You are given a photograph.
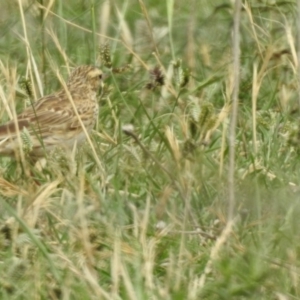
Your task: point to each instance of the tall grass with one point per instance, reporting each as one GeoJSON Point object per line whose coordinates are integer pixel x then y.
{"type": "Point", "coordinates": [140, 211]}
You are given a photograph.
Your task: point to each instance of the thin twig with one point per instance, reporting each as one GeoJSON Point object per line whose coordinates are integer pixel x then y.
{"type": "Point", "coordinates": [235, 96]}
{"type": "Point", "coordinates": [298, 50]}
{"type": "Point", "coordinates": [145, 12]}
{"type": "Point", "coordinates": [136, 139]}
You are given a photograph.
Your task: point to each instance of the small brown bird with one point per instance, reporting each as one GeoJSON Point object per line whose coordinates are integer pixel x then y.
{"type": "Point", "coordinates": [52, 121]}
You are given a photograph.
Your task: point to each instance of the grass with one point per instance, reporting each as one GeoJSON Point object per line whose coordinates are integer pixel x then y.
{"type": "Point", "coordinates": [147, 216]}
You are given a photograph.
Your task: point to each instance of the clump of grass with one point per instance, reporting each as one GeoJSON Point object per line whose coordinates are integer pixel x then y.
{"type": "Point", "coordinates": [140, 212]}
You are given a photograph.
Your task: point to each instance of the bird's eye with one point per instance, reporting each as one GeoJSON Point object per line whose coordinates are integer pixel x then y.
{"type": "Point", "coordinates": [100, 76]}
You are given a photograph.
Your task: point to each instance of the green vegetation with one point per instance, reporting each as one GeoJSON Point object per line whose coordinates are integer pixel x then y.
{"type": "Point", "coordinates": [147, 219]}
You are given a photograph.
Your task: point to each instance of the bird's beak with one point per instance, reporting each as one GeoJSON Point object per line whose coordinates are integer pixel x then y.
{"type": "Point", "coordinates": [105, 76]}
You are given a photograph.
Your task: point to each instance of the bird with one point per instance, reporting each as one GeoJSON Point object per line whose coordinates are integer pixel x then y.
{"type": "Point", "coordinates": [53, 120]}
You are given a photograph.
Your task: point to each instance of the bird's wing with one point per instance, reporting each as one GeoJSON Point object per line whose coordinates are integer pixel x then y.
{"type": "Point", "coordinates": [47, 115]}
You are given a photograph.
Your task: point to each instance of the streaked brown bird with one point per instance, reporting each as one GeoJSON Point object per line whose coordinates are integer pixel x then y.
{"type": "Point", "coordinates": [52, 120]}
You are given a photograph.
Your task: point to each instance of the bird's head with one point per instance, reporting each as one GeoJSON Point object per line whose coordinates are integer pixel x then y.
{"type": "Point", "coordinates": [86, 76]}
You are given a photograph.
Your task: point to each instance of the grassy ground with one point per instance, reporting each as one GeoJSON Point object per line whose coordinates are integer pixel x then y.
{"type": "Point", "coordinates": [146, 217]}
